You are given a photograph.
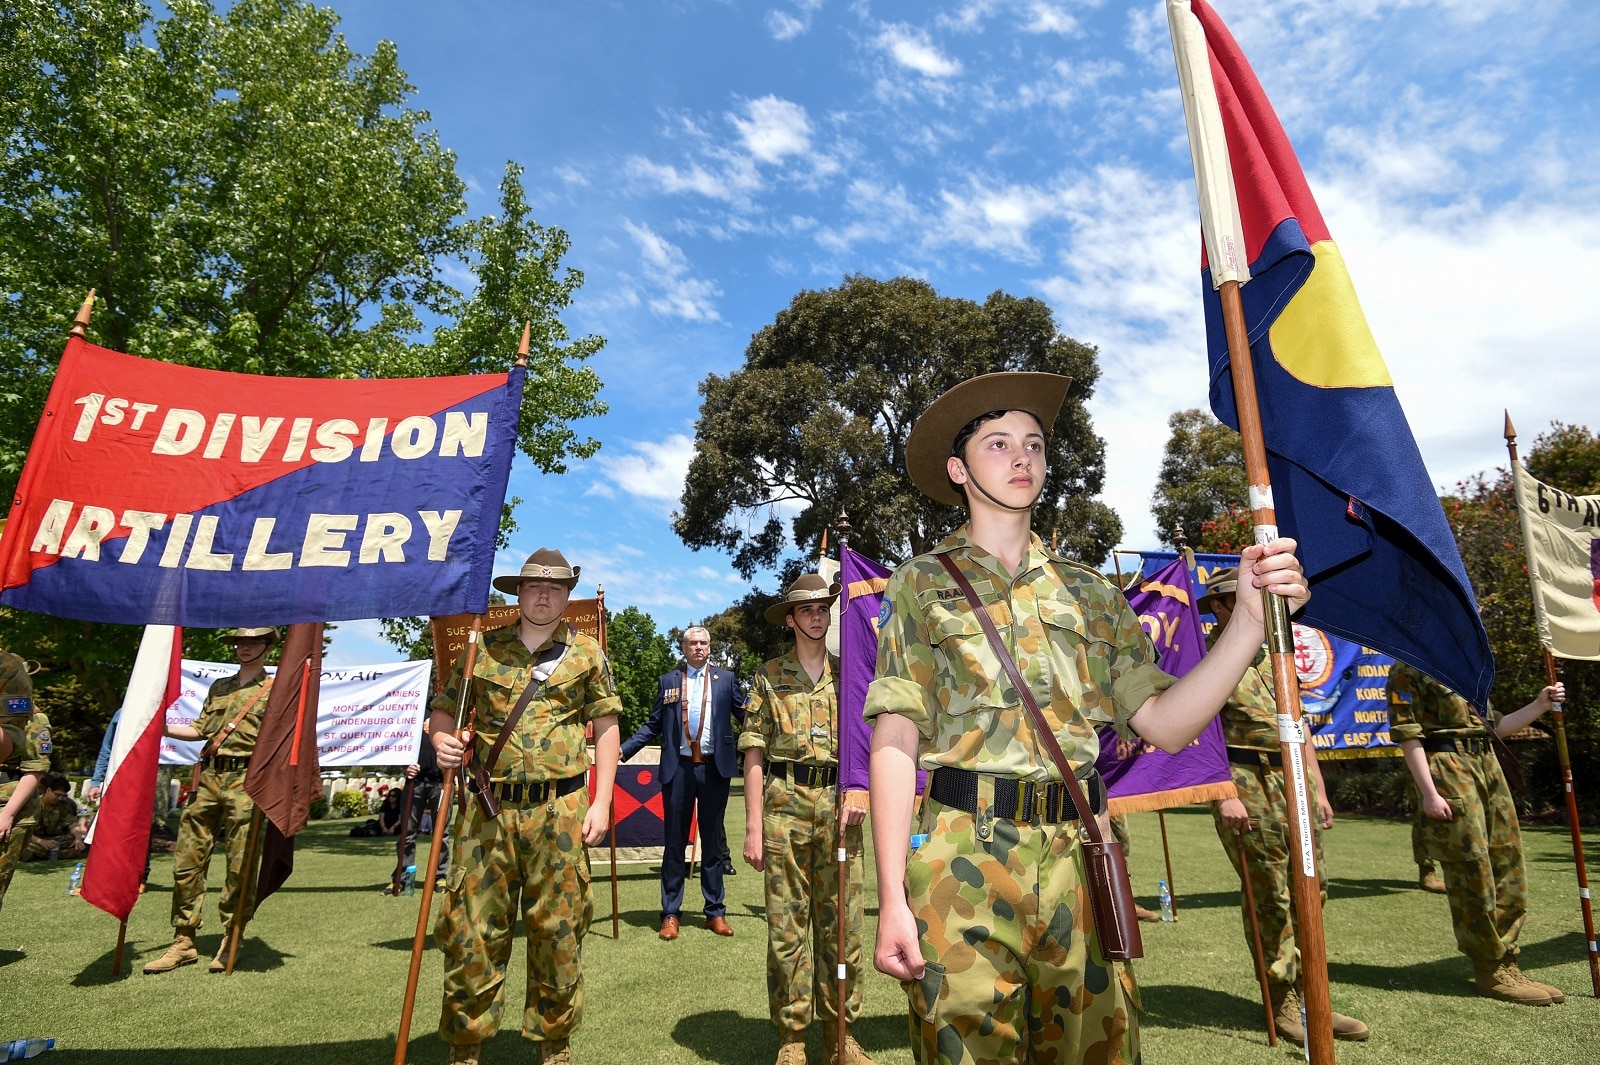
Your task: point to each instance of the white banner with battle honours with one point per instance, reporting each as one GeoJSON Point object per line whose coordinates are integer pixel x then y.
{"type": "Point", "coordinates": [367, 715]}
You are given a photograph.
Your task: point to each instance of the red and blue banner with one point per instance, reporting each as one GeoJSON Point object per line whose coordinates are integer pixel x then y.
{"type": "Point", "coordinates": [1138, 775]}
{"type": "Point", "coordinates": [1348, 481]}
{"type": "Point", "coordinates": [163, 494]}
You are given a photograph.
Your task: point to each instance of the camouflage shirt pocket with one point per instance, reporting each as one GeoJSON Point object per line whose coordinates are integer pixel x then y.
{"type": "Point", "coordinates": [970, 677]}
{"type": "Point", "coordinates": [1080, 666]}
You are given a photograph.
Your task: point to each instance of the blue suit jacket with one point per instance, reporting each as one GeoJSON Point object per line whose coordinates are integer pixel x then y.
{"type": "Point", "coordinates": [666, 724]}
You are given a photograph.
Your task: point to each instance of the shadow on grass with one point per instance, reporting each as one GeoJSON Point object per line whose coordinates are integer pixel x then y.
{"type": "Point", "coordinates": [424, 1048]}
{"type": "Point", "coordinates": [1338, 888]}
{"type": "Point", "coordinates": [1180, 1006]}
{"type": "Point", "coordinates": [9, 956]}
{"type": "Point", "coordinates": [255, 956]}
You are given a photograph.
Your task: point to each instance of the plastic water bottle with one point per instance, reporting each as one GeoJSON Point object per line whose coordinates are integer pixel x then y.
{"type": "Point", "coordinates": [23, 1049]}
{"type": "Point", "coordinates": [77, 879]}
{"type": "Point", "coordinates": [1166, 902]}
{"type": "Point", "coordinates": [410, 886]}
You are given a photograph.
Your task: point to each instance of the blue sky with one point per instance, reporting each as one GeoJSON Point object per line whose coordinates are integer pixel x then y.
{"type": "Point", "coordinates": [712, 159]}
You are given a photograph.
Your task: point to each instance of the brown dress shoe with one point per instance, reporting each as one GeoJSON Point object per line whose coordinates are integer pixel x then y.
{"type": "Point", "coordinates": [669, 928]}
{"type": "Point", "coordinates": [719, 925]}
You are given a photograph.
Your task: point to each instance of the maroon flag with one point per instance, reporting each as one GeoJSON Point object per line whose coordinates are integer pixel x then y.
{"type": "Point", "coordinates": [284, 776]}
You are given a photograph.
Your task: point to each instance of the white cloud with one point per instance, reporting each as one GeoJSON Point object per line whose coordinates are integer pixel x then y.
{"type": "Point", "coordinates": [773, 128]}
{"type": "Point", "coordinates": [694, 178]}
{"type": "Point", "coordinates": [913, 49]}
{"type": "Point", "coordinates": [994, 219]}
{"type": "Point", "coordinates": [1042, 17]}
{"type": "Point", "coordinates": [680, 295]}
{"type": "Point", "coordinates": [652, 471]}
{"type": "Point", "coordinates": [785, 26]}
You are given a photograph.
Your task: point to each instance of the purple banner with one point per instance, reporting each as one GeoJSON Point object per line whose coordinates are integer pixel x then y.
{"type": "Point", "coordinates": [1138, 775]}
{"type": "Point", "coordinates": [860, 602]}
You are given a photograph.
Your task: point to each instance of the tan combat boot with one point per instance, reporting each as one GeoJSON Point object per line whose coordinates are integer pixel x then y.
{"type": "Point", "coordinates": [1348, 1028]}
{"type": "Point", "coordinates": [181, 952]}
{"type": "Point", "coordinates": [219, 964]}
{"type": "Point", "coordinates": [853, 1054]}
{"type": "Point", "coordinates": [1554, 993]}
{"type": "Point", "coordinates": [1286, 1013]}
{"type": "Point", "coordinates": [793, 1051]}
{"type": "Point", "coordinates": [1428, 879]}
{"type": "Point", "coordinates": [1504, 981]}
{"type": "Point", "coordinates": [556, 1052]}
{"type": "Point", "coordinates": [466, 1054]}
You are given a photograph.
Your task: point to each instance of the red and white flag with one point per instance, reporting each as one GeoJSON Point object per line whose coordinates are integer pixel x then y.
{"type": "Point", "coordinates": [121, 833]}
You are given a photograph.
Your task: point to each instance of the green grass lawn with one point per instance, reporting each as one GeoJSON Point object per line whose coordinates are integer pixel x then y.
{"type": "Point", "coordinates": [325, 963]}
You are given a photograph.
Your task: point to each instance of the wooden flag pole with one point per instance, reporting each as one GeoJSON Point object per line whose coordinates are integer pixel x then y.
{"type": "Point", "coordinates": [80, 323]}
{"type": "Point", "coordinates": [1303, 882]}
{"type": "Point", "coordinates": [1166, 852]}
{"type": "Point", "coordinates": [446, 813]}
{"type": "Point", "coordinates": [247, 889]}
{"type": "Point", "coordinates": [122, 942]}
{"type": "Point", "coordinates": [841, 914]}
{"type": "Point", "coordinates": [1558, 718]}
{"type": "Point", "coordinates": [1255, 939]}
{"type": "Point", "coordinates": [616, 915]}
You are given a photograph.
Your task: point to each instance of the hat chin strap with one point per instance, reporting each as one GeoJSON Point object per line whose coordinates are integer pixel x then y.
{"type": "Point", "coordinates": [972, 479]}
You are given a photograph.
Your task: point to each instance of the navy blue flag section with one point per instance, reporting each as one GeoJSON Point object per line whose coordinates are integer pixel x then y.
{"type": "Point", "coordinates": [168, 495]}
{"type": "Point", "coordinates": [1348, 481]}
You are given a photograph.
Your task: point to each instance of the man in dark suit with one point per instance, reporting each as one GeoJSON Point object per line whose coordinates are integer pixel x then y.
{"type": "Point", "coordinates": [698, 711]}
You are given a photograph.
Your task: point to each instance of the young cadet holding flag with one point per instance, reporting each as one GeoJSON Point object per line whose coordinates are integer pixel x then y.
{"type": "Point", "coordinates": [791, 775]}
{"type": "Point", "coordinates": [983, 923]}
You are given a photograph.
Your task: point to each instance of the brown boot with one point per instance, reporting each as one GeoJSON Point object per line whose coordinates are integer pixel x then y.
{"type": "Point", "coordinates": [466, 1054]}
{"type": "Point", "coordinates": [853, 1054]}
{"type": "Point", "coordinates": [556, 1052]}
{"type": "Point", "coordinates": [1504, 981]}
{"type": "Point", "coordinates": [181, 952]}
{"type": "Point", "coordinates": [1146, 915]}
{"type": "Point", "coordinates": [1348, 1028]}
{"type": "Point", "coordinates": [1286, 1013]}
{"type": "Point", "coordinates": [1555, 993]}
{"type": "Point", "coordinates": [1428, 879]}
{"type": "Point", "coordinates": [793, 1051]}
{"type": "Point", "coordinates": [219, 964]}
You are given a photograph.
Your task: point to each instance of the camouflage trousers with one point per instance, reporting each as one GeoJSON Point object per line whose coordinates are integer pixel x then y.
{"type": "Point", "coordinates": [11, 853]}
{"type": "Point", "coordinates": [799, 830]}
{"type": "Point", "coordinates": [1267, 853]}
{"type": "Point", "coordinates": [1479, 853]}
{"type": "Point", "coordinates": [1014, 972]}
{"type": "Point", "coordinates": [220, 809]}
{"type": "Point", "coordinates": [1419, 828]}
{"type": "Point", "coordinates": [535, 852]}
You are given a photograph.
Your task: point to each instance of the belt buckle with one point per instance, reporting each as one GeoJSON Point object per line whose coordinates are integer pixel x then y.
{"type": "Point", "coordinates": [1026, 793]}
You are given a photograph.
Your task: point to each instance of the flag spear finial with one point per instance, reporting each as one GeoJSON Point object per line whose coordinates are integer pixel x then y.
{"type": "Point", "coordinates": [80, 324]}
{"type": "Point", "coordinates": [522, 348]}
{"type": "Point", "coordinates": [1511, 430]}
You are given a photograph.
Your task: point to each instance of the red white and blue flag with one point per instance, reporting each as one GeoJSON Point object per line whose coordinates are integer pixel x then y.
{"type": "Point", "coordinates": [163, 494]}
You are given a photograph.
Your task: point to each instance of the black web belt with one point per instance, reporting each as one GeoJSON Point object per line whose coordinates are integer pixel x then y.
{"type": "Point", "coordinates": [1457, 744]}
{"type": "Point", "coordinates": [221, 764]}
{"type": "Point", "coordinates": [1247, 756]}
{"type": "Point", "coordinates": [807, 776]}
{"type": "Point", "coordinates": [535, 792]}
{"type": "Point", "coordinates": [1015, 800]}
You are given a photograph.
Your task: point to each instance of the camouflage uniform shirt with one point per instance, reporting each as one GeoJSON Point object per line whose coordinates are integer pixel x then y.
{"type": "Point", "coordinates": [1420, 706]}
{"type": "Point", "coordinates": [16, 702]}
{"type": "Point", "coordinates": [1250, 717]}
{"type": "Point", "coordinates": [792, 717]}
{"type": "Point", "coordinates": [226, 697]}
{"type": "Point", "coordinates": [550, 742]}
{"type": "Point", "coordinates": [1081, 648]}
{"type": "Point", "coordinates": [31, 756]}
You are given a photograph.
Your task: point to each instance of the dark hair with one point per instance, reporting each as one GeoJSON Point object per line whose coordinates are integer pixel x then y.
{"type": "Point", "coordinates": [55, 782]}
{"type": "Point", "coordinates": [958, 447]}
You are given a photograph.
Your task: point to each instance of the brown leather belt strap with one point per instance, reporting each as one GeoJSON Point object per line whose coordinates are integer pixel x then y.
{"type": "Point", "coordinates": [215, 742]}
{"type": "Point", "coordinates": [549, 658]}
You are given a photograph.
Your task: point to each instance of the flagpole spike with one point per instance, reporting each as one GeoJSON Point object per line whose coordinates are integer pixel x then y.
{"type": "Point", "coordinates": [1179, 540]}
{"type": "Point", "coordinates": [522, 348]}
{"type": "Point", "coordinates": [1511, 430]}
{"type": "Point", "coordinates": [80, 324]}
{"type": "Point", "coordinates": [842, 523]}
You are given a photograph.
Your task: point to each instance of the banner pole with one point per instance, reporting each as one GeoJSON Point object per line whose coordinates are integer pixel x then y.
{"type": "Point", "coordinates": [1255, 938]}
{"type": "Point", "coordinates": [1166, 852]}
{"type": "Point", "coordinates": [1558, 718]}
{"type": "Point", "coordinates": [841, 916]}
{"type": "Point", "coordinates": [247, 889]}
{"type": "Point", "coordinates": [611, 814]}
{"type": "Point", "coordinates": [122, 942]}
{"type": "Point", "coordinates": [1303, 881]}
{"type": "Point", "coordinates": [447, 812]}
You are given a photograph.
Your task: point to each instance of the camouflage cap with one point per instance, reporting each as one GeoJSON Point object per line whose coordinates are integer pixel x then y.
{"type": "Point", "coordinates": [933, 435]}
{"type": "Point", "coordinates": [1223, 583]}
{"type": "Point", "coordinates": [545, 564]}
{"type": "Point", "coordinates": [244, 634]}
{"type": "Point", "coordinates": [807, 588]}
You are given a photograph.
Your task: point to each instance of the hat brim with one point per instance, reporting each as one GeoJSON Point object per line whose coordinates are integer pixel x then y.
{"type": "Point", "coordinates": [928, 446]}
{"type": "Point", "coordinates": [270, 637]}
{"type": "Point", "coordinates": [512, 582]}
{"type": "Point", "coordinates": [780, 610]}
{"type": "Point", "coordinates": [1211, 597]}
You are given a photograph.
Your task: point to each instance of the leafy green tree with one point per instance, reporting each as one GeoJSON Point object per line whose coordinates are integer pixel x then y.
{"type": "Point", "coordinates": [639, 655]}
{"type": "Point", "coordinates": [1202, 476]}
{"type": "Point", "coordinates": [817, 418]}
{"type": "Point", "coordinates": [248, 194]}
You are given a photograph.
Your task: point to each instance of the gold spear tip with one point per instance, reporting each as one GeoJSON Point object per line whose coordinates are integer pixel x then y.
{"type": "Point", "coordinates": [522, 348]}
{"type": "Point", "coordinates": [1511, 430]}
{"type": "Point", "coordinates": [842, 523]}
{"type": "Point", "coordinates": [80, 324]}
